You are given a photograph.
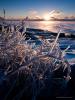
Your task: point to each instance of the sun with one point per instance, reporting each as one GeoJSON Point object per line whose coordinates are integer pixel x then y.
{"type": "Point", "coordinates": [46, 17]}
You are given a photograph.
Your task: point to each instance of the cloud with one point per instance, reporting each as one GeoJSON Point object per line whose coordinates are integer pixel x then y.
{"type": "Point", "coordinates": [60, 15]}
{"type": "Point", "coordinates": [33, 14]}
{"type": "Point", "coordinates": [56, 14]}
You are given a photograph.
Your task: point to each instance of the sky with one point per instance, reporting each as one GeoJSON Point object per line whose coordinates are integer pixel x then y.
{"type": "Point", "coordinates": [23, 8]}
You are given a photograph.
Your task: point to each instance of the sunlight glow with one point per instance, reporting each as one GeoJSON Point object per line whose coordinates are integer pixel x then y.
{"type": "Point", "coordinates": [46, 17]}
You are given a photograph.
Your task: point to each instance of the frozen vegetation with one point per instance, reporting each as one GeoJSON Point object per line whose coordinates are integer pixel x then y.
{"type": "Point", "coordinates": [36, 63]}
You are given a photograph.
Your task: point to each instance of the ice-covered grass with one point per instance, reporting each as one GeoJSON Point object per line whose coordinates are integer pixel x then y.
{"type": "Point", "coordinates": [37, 62]}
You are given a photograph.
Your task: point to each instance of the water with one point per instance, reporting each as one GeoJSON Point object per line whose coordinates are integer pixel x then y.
{"type": "Point", "coordinates": [65, 26]}
{"type": "Point", "coordinates": [55, 26]}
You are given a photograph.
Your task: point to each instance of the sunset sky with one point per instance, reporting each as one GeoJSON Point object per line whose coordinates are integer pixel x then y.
{"type": "Point", "coordinates": [37, 8]}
